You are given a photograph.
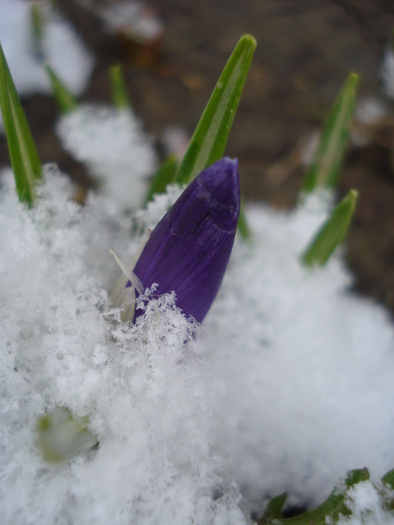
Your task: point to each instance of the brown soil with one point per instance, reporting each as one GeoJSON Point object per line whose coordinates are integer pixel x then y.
{"type": "Point", "coordinates": [305, 51]}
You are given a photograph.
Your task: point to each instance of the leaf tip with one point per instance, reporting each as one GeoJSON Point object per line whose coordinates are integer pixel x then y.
{"type": "Point", "coordinates": [250, 39]}
{"type": "Point", "coordinates": [62, 95]}
{"type": "Point", "coordinates": [331, 235]}
{"type": "Point", "coordinates": [353, 195]}
{"type": "Point", "coordinates": [119, 93]}
{"type": "Point", "coordinates": [354, 78]}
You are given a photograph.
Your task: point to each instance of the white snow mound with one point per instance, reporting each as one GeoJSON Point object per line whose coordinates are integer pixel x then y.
{"type": "Point", "coordinates": [114, 148]}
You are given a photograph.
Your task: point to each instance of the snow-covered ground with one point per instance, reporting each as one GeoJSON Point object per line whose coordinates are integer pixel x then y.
{"type": "Point", "coordinates": [285, 386]}
{"type": "Point", "coordinates": [142, 392]}
{"type": "Point", "coordinates": [306, 365]}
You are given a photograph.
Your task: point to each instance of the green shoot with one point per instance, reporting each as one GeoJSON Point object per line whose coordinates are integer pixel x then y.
{"type": "Point", "coordinates": [332, 233]}
{"type": "Point", "coordinates": [165, 175]}
{"type": "Point", "coordinates": [210, 136]}
{"type": "Point", "coordinates": [37, 23]}
{"type": "Point", "coordinates": [274, 508]}
{"type": "Point", "coordinates": [209, 139]}
{"type": "Point", "coordinates": [243, 227]}
{"type": "Point", "coordinates": [24, 157]}
{"type": "Point", "coordinates": [119, 94]}
{"type": "Point", "coordinates": [64, 99]}
{"type": "Point", "coordinates": [332, 508]}
{"type": "Point", "coordinates": [329, 155]}
{"type": "Point", "coordinates": [388, 478]}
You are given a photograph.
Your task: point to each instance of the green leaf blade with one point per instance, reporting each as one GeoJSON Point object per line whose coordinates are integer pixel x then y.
{"type": "Point", "coordinates": [274, 508]}
{"type": "Point", "coordinates": [332, 507]}
{"type": "Point", "coordinates": [242, 226]}
{"type": "Point", "coordinates": [37, 22]}
{"type": "Point", "coordinates": [120, 97]}
{"type": "Point", "coordinates": [329, 155]}
{"type": "Point", "coordinates": [164, 176]}
{"type": "Point", "coordinates": [64, 99]}
{"type": "Point", "coordinates": [24, 157]}
{"type": "Point", "coordinates": [210, 137]}
{"type": "Point", "coordinates": [388, 478]}
{"type": "Point", "coordinates": [330, 236]}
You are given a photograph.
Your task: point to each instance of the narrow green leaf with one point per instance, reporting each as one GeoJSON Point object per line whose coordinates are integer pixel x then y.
{"type": "Point", "coordinates": [332, 233]}
{"type": "Point", "coordinates": [332, 507]}
{"type": "Point", "coordinates": [210, 137]}
{"type": "Point", "coordinates": [356, 476]}
{"type": "Point", "coordinates": [61, 435]}
{"type": "Point", "coordinates": [243, 227]}
{"type": "Point", "coordinates": [329, 155]}
{"type": "Point", "coordinates": [37, 22]}
{"type": "Point", "coordinates": [389, 478]}
{"type": "Point", "coordinates": [165, 175]}
{"type": "Point", "coordinates": [64, 99]}
{"type": "Point", "coordinates": [119, 94]}
{"type": "Point", "coordinates": [25, 161]}
{"type": "Point", "coordinates": [274, 508]}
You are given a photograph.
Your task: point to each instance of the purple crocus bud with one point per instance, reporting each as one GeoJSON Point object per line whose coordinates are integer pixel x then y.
{"type": "Point", "coordinates": [189, 249]}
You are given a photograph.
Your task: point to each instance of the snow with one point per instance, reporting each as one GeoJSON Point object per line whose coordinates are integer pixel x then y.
{"type": "Point", "coordinates": [368, 503]}
{"type": "Point", "coordinates": [285, 387]}
{"type": "Point", "coordinates": [306, 366]}
{"type": "Point", "coordinates": [141, 387]}
{"type": "Point", "coordinates": [114, 148]}
{"type": "Point", "coordinates": [387, 73]}
{"type": "Point", "coordinates": [61, 48]}
{"type": "Point", "coordinates": [370, 112]}
{"type": "Point", "coordinates": [134, 19]}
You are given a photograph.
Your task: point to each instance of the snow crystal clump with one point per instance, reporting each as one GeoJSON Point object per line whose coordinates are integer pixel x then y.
{"type": "Point", "coordinates": [158, 207]}
{"type": "Point", "coordinates": [306, 366]}
{"type": "Point", "coordinates": [146, 388]}
{"type": "Point", "coordinates": [113, 146]}
{"type": "Point", "coordinates": [60, 47]}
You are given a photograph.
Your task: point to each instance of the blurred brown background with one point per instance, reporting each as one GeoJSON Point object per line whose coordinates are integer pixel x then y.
{"type": "Point", "coordinates": [305, 51]}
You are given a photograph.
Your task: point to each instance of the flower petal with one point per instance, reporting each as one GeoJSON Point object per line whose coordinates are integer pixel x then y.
{"type": "Point", "coordinates": [189, 249]}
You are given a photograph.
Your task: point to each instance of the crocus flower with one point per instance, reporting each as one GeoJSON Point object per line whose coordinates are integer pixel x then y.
{"type": "Point", "coordinates": [189, 249]}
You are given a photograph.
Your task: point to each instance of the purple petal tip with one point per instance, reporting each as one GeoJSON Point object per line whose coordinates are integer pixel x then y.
{"type": "Point", "coordinates": [221, 183]}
